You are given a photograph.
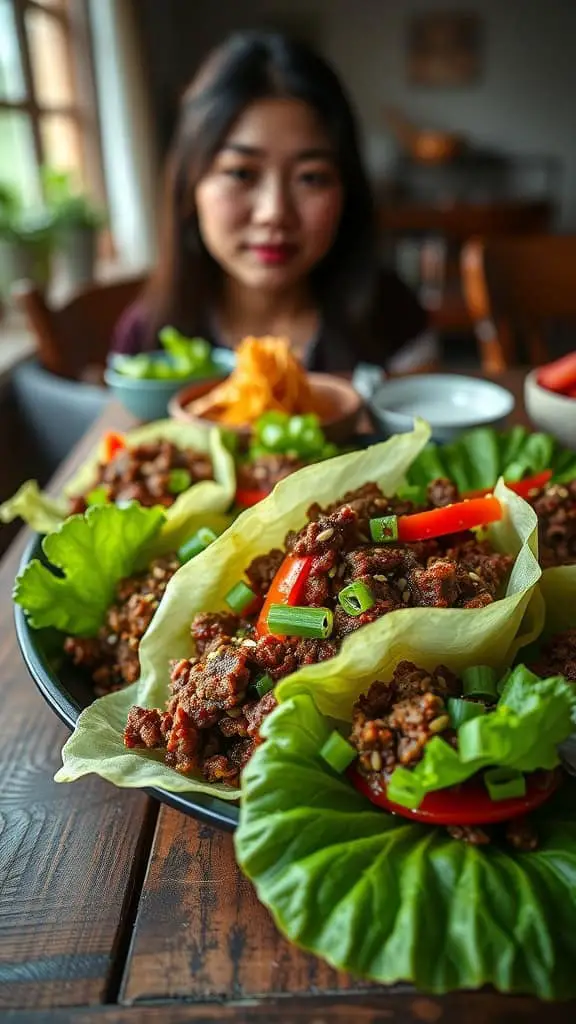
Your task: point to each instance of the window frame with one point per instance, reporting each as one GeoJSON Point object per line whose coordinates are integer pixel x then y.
{"type": "Point", "coordinates": [73, 17]}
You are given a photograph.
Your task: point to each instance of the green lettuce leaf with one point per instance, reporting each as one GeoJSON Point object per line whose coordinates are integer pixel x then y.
{"type": "Point", "coordinates": [92, 553]}
{"type": "Point", "coordinates": [203, 504]}
{"type": "Point", "coordinates": [394, 901]}
{"type": "Point", "coordinates": [532, 717]}
{"type": "Point", "coordinates": [455, 637]}
{"type": "Point", "coordinates": [477, 458]}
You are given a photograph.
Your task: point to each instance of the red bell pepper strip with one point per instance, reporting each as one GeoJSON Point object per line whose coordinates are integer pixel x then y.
{"type": "Point", "coordinates": [463, 515]}
{"type": "Point", "coordinates": [246, 497]}
{"type": "Point", "coordinates": [111, 444]}
{"type": "Point", "coordinates": [466, 804]}
{"type": "Point", "coordinates": [521, 487]}
{"type": "Point", "coordinates": [559, 375]}
{"type": "Point", "coordinates": [286, 588]}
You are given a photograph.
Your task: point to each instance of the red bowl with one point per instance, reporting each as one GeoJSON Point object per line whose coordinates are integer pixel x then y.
{"type": "Point", "coordinates": [338, 405]}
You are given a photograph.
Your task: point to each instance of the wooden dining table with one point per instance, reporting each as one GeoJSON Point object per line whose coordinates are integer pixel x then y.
{"type": "Point", "coordinates": [115, 908]}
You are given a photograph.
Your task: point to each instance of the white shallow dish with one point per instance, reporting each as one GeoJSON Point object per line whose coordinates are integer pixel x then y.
{"type": "Point", "coordinates": [552, 413]}
{"type": "Point", "coordinates": [450, 402]}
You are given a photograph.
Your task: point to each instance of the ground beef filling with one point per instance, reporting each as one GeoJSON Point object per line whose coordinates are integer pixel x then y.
{"type": "Point", "coordinates": [142, 473]}
{"type": "Point", "coordinates": [558, 657]}
{"type": "Point", "coordinates": [211, 724]}
{"type": "Point", "coordinates": [555, 507]}
{"type": "Point", "coordinates": [458, 571]}
{"type": "Point", "coordinates": [263, 473]}
{"type": "Point", "coordinates": [393, 722]}
{"type": "Point", "coordinates": [213, 712]}
{"type": "Point", "coordinates": [111, 657]}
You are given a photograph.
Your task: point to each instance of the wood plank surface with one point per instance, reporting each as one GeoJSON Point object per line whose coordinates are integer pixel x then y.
{"type": "Point", "coordinates": [399, 1008]}
{"type": "Point", "coordinates": [69, 854]}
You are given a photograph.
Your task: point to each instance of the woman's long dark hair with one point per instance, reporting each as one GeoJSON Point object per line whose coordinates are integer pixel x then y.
{"type": "Point", "coordinates": [251, 66]}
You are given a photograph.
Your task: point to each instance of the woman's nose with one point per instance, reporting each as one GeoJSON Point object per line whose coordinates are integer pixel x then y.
{"type": "Point", "coordinates": [273, 202]}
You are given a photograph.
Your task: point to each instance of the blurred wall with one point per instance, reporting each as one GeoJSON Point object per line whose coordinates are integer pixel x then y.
{"type": "Point", "coordinates": [523, 103]}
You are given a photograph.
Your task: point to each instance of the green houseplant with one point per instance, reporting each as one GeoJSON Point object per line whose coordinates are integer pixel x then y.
{"type": "Point", "coordinates": [76, 222]}
{"type": "Point", "coordinates": [26, 239]}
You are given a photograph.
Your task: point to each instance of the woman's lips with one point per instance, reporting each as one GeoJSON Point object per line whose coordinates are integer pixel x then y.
{"type": "Point", "coordinates": [273, 254]}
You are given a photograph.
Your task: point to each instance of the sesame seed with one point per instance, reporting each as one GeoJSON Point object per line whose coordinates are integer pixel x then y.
{"type": "Point", "coordinates": [249, 643]}
{"type": "Point", "coordinates": [376, 761]}
{"type": "Point", "coordinates": [440, 723]}
{"type": "Point", "coordinates": [406, 596]}
{"type": "Point", "coordinates": [380, 578]}
{"type": "Point", "coordinates": [325, 534]}
{"type": "Point", "coordinates": [234, 712]}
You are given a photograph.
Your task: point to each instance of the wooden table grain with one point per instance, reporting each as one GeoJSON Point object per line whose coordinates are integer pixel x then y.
{"type": "Point", "coordinates": [114, 910]}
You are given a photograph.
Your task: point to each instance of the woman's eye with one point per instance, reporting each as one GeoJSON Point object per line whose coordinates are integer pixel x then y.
{"type": "Point", "coordinates": [317, 179]}
{"type": "Point", "coordinates": [243, 174]}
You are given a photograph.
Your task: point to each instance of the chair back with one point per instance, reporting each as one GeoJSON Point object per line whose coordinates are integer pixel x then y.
{"type": "Point", "coordinates": [516, 288]}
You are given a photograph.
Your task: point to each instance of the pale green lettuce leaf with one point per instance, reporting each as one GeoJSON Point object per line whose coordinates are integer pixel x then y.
{"type": "Point", "coordinates": [36, 508]}
{"type": "Point", "coordinates": [393, 901]}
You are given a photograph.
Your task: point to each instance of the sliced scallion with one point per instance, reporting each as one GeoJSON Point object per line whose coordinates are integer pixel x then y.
{"type": "Point", "coordinates": [295, 620]}
{"type": "Point", "coordinates": [461, 711]}
{"type": "Point", "coordinates": [356, 598]}
{"type": "Point", "coordinates": [337, 752]}
{"type": "Point", "coordinates": [179, 480]}
{"type": "Point", "coordinates": [241, 598]}
{"type": "Point", "coordinates": [195, 544]}
{"type": "Point", "coordinates": [504, 783]}
{"type": "Point", "coordinates": [480, 681]}
{"type": "Point", "coordinates": [404, 788]}
{"type": "Point", "coordinates": [97, 496]}
{"type": "Point", "coordinates": [264, 685]}
{"type": "Point", "coordinates": [385, 529]}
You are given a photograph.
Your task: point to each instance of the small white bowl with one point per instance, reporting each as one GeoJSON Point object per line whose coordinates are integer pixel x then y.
{"type": "Point", "coordinates": [552, 413]}
{"type": "Point", "coordinates": [449, 402]}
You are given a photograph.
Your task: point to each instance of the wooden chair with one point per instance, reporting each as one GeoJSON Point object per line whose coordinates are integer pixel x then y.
{"type": "Point", "coordinates": [76, 335]}
{"type": "Point", "coordinates": [514, 288]}
{"type": "Point", "coordinates": [442, 229]}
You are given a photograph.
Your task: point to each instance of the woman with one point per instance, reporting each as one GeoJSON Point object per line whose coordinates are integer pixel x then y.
{"type": "Point", "coordinates": [269, 223]}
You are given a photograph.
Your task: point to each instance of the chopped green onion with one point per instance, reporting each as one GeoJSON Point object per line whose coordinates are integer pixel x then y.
{"type": "Point", "coordinates": [98, 496]}
{"type": "Point", "coordinates": [404, 788]}
{"type": "Point", "coordinates": [504, 783]}
{"type": "Point", "coordinates": [197, 543]}
{"type": "Point", "coordinates": [480, 681]}
{"type": "Point", "coordinates": [337, 752]}
{"type": "Point", "coordinates": [385, 529]}
{"type": "Point", "coordinates": [241, 598]}
{"type": "Point", "coordinates": [179, 480]}
{"type": "Point", "coordinates": [461, 711]}
{"type": "Point", "coordinates": [264, 685]}
{"type": "Point", "coordinates": [295, 620]}
{"type": "Point", "coordinates": [356, 598]}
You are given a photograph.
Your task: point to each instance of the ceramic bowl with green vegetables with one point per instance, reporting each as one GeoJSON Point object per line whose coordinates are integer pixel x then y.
{"type": "Point", "coordinates": [145, 383]}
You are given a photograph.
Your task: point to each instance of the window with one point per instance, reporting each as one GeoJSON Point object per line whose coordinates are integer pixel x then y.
{"type": "Point", "coordinates": [47, 101]}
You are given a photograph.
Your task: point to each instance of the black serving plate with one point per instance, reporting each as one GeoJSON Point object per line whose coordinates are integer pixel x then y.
{"type": "Point", "coordinates": [67, 690]}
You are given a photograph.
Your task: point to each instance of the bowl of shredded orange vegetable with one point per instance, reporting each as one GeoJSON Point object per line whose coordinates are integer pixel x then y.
{"type": "Point", "coordinates": [268, 377]}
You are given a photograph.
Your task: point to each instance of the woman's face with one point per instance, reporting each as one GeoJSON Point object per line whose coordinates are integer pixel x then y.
{"type": "Point", "coordinates": [270, 204]}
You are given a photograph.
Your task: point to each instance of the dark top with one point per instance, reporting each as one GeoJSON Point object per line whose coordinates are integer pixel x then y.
{"type": "Point", "coordinates": [399, 320]}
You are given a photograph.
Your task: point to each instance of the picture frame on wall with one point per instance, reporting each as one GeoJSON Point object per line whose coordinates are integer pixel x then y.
{"type": "Point", "coordinates": [444, 49]}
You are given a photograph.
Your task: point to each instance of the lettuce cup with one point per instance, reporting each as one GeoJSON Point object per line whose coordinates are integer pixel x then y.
{"type": "Point", "coordinates": [184, 468]}
{"type": "Point", "coordinates": [298, 597]}
{"type": "Point", "coordinates": [393, 898]}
